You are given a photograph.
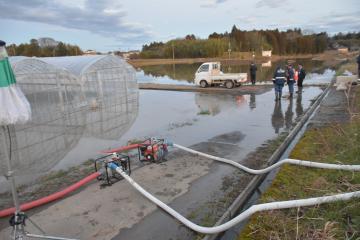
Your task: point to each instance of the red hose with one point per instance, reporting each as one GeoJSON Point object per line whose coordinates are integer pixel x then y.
{"type": "Point", "coordinates": [50, 198]}
{"type": "Point", "coordinates": [120, 149]}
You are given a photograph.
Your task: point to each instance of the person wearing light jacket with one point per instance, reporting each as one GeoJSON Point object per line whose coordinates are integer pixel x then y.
{"type": "Point", "coordinates": [290, 79]}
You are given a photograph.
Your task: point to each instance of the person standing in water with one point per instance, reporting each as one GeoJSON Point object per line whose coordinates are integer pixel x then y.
{"type": "Point", "coordinates": [301, 77]}
{"type": "Point", "coordinates": [290, 80]}
{"type": "Point", "coordinates": [253, 70]}
{"type": "Point", "coordinates": [279, 81]}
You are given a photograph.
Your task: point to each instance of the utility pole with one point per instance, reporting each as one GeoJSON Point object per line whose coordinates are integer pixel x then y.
{"type": "Point", "coordinates": [173, 50]}
{"type": "Point", "coordinates": [229, 50]}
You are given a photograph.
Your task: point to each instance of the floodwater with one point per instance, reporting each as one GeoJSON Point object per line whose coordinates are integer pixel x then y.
{"type": "Point", "coordinates": [59, 138]}
{"type": "Point", "coordinates": [184, 73]}
{"type": "Point", "coordinates": [64, 134]}
{"type": "Point", "coordinates": [233, 127]}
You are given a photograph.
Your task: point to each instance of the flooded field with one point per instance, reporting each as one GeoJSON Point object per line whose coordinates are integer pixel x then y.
{"type": "Point", "coordinates": [61, 136]}
{"type": "Point", "coordinates": [225, 126]}
{"type": "Point", "coordinates": [64, 133]}
{"type": "Point", "coordinates": [184, 73]}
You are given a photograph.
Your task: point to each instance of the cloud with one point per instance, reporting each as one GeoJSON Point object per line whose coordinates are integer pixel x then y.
{"type": "Point", "coordinates": [271, 3]}
{"type": "Point", "coordinates": [249, 20]}
{"type": "Point", "coordinates": [211, 3]}
{"type": "Point", "coordinates": [336, 22]}
{"type": "Point", "coordinates": [105, 18]}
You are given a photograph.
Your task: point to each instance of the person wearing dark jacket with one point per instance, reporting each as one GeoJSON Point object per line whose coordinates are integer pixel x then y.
{"type": "Point", "coordinates": [290, 79]}
{"type": "Point", "coordinates": [358, 62]}
{"type": "Point", "coordinates": [253, 70]}
{"type": "Point", "coordinates": [279, 81]}
{"type": "Point", "coordinates": [301, 77]}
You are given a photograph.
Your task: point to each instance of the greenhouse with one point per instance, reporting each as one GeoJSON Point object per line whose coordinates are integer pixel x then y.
{"type": "Point", "coordinates": [110, 87]}
{"type": "Point", "coordinates": [70, 97]}
{"type": "Point", "coordinates": [57, 120]}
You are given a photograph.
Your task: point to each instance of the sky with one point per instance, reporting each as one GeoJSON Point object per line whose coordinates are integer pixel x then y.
{"type": "Point", "coordinates": [107, 25]}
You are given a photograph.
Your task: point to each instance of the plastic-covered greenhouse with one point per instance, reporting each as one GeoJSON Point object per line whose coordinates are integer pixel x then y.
{"type": "Point", "coordinates": [37, 145]}
{"type": "Point", "coordinates": [110, 87]}
{"type": "Point", "coordinates": [70, 97]}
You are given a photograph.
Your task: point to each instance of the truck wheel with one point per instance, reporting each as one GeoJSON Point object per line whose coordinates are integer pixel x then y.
{"type": "Point", "coordinates": [203, 84]}
{"type": "Point", "coordinates": [229, 84]}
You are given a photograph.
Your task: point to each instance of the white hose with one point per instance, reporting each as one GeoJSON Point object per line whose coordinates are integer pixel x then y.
{"type": "Point", "coordinates": [244, 215]}
{"type": "Point", "coordinates": [276, 165]}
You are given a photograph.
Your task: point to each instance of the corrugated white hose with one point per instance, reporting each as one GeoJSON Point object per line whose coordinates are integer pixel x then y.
{"type": "Point", "coordinates": [244, 215]}
{"type": "Point", "coordinates": [276, 165]}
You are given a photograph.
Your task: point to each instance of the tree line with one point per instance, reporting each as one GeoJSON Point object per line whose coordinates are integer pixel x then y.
{"type": "Point", "coordinates": [349, 40]}
{"type": "Point", "coordinates": [291, 41]}
{"type": "Point", "coordinates": [33, 49]}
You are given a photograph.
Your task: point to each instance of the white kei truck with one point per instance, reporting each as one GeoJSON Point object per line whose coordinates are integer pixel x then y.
{"type": "Point", "coordinates": [209, 74]}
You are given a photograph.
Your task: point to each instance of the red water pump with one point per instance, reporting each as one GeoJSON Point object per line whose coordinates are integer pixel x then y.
{"type": "Point", "coordinates": [153, 150]}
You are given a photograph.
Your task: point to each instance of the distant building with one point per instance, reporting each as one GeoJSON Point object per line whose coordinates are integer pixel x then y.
{"type": "Point", "coordinates": [90, 52]}
{"type": "Point", "coordinates": [266, 64]}
{"type": "Point", "coordinates": [343, 50]}
{"type": "Point", "coordinates": [266, 53]}
{"type": "Point", "coordinates": [127, 55]}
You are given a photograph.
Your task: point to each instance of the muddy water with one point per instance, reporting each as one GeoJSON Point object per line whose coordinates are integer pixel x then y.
{"type": "Point", "coordinates": [184, 73]}
{"type": "Point", "coordinates": [223, 125]}
{"type": "Point", "coordinates": [232, 127]}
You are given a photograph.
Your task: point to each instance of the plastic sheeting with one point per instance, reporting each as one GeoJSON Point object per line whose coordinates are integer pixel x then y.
{"type": "Point", "coordinates": [102, 102]}
{"type": "Point", "coordinates": [15, 109]}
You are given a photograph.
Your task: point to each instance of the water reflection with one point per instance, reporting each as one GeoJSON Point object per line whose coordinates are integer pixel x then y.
{"type": "Point", "coordinates": [184, 73]}
{"type": "Point", "coordinates": [210, 104]}
{"type": "Point", "coordinates": [266, 64]}
{"type": "Point", "coordinates": [299, 108]}
{"type": "Point", "coordinates": [277, 118]}
{"type": "Point", "coordinates": [252, 102]}
{"type": "Point", "coordinates": [289, 115]}
{"type": "Point", "coordinates": [113, 107]}
{"type": "Point", "coordinates": [63, 112]}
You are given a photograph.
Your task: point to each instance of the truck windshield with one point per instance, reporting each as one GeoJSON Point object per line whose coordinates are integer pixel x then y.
{"type": "Point", "coordinates": [204, 68]}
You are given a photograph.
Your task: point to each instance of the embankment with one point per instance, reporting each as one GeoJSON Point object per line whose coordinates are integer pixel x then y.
{"type": "Point", "coordinates": [332, 137]}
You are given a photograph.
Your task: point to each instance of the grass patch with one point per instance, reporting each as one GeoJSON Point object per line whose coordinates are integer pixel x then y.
{"type": "Point", "coordinates": [350, 66]}
{"type": "Point", "coordinates": [135, 141]}
{"type": "Point", "coordinates": [204, 112]}
{"type": "Point", "coordinates": [337, 143]}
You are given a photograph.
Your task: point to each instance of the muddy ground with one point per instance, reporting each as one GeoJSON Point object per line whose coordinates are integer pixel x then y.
{"type": "Point", "coordinates": [98, 213]}
{"type": "Point", "coordinates": [103, 212]}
